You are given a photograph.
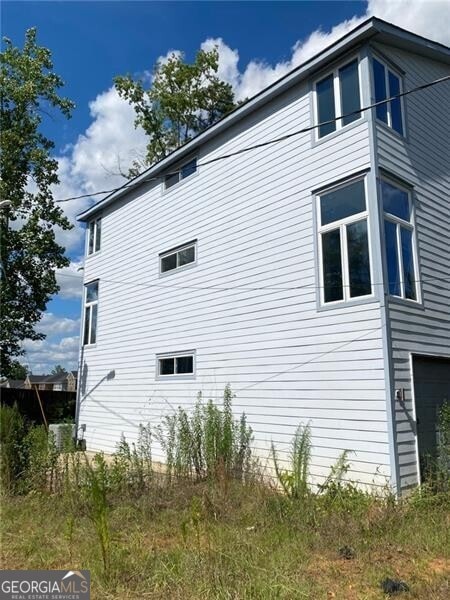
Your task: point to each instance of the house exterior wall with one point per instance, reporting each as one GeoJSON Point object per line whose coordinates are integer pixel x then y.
{"type": "Point", "coordinates": [249, 307]}
{"type": "Point", "coordinates": [422, 161]}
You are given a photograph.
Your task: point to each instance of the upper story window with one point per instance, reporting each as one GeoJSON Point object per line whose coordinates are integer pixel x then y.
{"type": "Point", "coordinates": [343, 243]}
{"type": "Point", "coordinates": [90, 313]}
{"type": "Point", "coordinates": [338, 94]}
{"type": "Point", "coordinates": [177, 364]}
{"type": "Point", "coordinates": [399, 241]}
{"type": "Point", "coordinates": [94, 235]}
{"type": "Point", "coordinates": [180, 173]}
{"type": "Point", "coordinates": [178, 258]}
{"type": "Point", "coordinates": [387, 83]}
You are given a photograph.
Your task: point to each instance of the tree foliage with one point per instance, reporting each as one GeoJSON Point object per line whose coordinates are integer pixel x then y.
{"type": "Point", "coordinates": [58, 370]}
{"type": "Point", "coordinates": [17, 370]}
{"type": "Point", "coordinates": [29, 251]}
{"type": "Point", "coordinates": [181, 101]}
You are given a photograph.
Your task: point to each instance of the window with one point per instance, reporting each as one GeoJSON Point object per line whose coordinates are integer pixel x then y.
{"type": "Point", "coordinates": [178, 257]}
{"type": "Point", "coordinates": [180, 173]}
{"type": "Point", "coordinates": [90, 313]}
{"type": "Point", "coordinates": [177, 364]}
{"type": "Point", "coordinates": [388, 84]}
{"type": "Point", "coordinates": [343, 243]}
{"type": "Point", "coordinates": [399, 241]}
{"type": "Point", "coordinates": [94, 235]}
{"type": "Point", "coordinates": [338, 94]}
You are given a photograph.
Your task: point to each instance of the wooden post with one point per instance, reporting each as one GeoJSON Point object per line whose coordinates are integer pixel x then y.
{"type": "Point", "coordinates": [42, 408]}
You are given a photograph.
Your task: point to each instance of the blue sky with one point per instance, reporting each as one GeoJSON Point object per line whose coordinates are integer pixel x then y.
{"type": "Point", "coordinates": [91, 42]}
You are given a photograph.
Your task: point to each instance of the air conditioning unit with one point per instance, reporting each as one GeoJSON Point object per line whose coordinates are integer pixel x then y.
{"type": "Point", "coordinates": [63, 434]}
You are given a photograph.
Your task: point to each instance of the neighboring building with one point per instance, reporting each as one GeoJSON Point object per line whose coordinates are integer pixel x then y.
{"type": "Point", "coordinates": [313, 274]}
{"type": "Point", "coordinates": [57, 383]}
{"type": "Point", "coordinates": [12, 383]}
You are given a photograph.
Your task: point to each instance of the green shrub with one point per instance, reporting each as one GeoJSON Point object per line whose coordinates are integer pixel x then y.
{"type": "Point", "coordinates": [42, 459]}
{"type": "Point", "coordinates": [12, 454]}
{"type": "Point", "coordinates": [209, 443]}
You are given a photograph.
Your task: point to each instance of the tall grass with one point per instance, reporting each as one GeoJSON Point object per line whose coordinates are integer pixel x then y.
{"type": "Point", "coordinates": [209, 443]}
{"type": "Point", "coordinates": [294, 480]}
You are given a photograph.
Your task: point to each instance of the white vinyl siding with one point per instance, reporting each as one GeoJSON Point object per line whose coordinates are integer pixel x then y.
{"type": "Point", "coordinates": [422, 161]}
{"type": "Point", "coordinates": [249, 307]}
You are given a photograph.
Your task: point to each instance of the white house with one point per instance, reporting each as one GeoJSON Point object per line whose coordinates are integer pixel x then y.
{"type": "Point", "coordinates": [312, 274]}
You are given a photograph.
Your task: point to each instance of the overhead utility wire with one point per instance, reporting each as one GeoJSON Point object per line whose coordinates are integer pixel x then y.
{"type": "Point", "coordinates": [132, 184]}
{"type": "Point", "coordinates": [237, 287]}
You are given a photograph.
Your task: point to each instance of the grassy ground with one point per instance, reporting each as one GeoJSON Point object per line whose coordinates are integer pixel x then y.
{"type": "Point", "coordinates": [197, 541]}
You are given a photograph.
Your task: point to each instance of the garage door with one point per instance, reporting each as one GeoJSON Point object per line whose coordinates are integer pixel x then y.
{"type": "Point", "coordinates": [431, 390]}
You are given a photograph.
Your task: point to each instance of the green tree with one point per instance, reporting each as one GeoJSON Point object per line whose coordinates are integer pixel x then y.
{"type": "Point", "coordinates": [29, 251]}
{"type": "Point", "coordinates": [58, 370]}
{"type": "Point", "coordinates": [17, 370]}
{"type": "Point", "coordinates": [182, 100]}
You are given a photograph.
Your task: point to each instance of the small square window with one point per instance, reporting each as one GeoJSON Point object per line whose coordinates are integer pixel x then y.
{"type": "Point", "coordinates": [180, 173]}
{"type": "Point", "coordinates": [178, 257]}
{"type": "Point", "coordinates": [176, 365]}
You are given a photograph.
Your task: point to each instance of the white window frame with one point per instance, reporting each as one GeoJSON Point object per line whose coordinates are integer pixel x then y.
{"type": "Point", "coordinates": [94, 223]}
{"type": "Point", "coordinates": [175, 355]}
{"type": "Point", "coordinates": [176, 251]}
{"type": "Point", "coordinates": [337, 97]}
{"type": "Point", "coordinates": [399, 223]}
{"type": "Point", "coordinates": [178, 170]}
{"type": "Point", "coordinates": [341, 224]}
{"type": "Point", "coordinates": [86, 306]}
{"type": "Point", "coordinates": [399, 75]}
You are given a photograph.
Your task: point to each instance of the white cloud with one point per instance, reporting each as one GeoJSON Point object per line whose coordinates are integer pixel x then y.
{"type": "Point", "coordinates": [97, 158]}
{"type": "Point", "coordinates": [424, 17]}
{"type": "Point", "coordinates": [429, 18]}
{"type": "Point", "coordinates": [51, 324]}
{"type": "Point", "coordinates": [70, 280]}
{"type": "Point", "coordinates": [41, 355]}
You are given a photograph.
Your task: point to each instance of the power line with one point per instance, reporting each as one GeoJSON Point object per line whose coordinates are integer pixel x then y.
{"type": "Point", "coordinates": [266, 143]}
{"type": "Point", "coordinates": [244, 288]}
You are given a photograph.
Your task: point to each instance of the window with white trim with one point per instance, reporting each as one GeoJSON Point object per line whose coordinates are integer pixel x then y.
{"type": "Point", "coordinates": [94, 235]}
{"type": "Point", "coordinates": [338, 94]}
{"type": "Point", "coordinates": [90, 313]}
{"type": "Point", "coordinates": [179, 257]}
{"type": "Point", "coordinates": [180, 173]}
{"type": "Point", "coordinates": [399, 241]}
{"type": "Point", "coordinates": [388, 83]}
{"type": "Point", "coordinates": [178, 364]}
{"type": "Point", "coordinates": [345, 270]}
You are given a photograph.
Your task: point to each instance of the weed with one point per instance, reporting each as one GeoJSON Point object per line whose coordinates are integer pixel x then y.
{"type": "Point", "coordinates": [295, 480]}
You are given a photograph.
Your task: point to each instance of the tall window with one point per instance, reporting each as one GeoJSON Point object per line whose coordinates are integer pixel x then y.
{"type": "Point", "coordinates": [387, 84]}
{"type": "Point", "coordinates": [338, 95]}
{"type": "Point", "coordinates": [180, 173]}
{"type": "Point", "coordinates": [90, 313]}
{"type": "Point", "coordinates": [399, 241]}
{"type": "Point", "coordinates": [178, 258]}
{"type": "Point", "coordinates": [94, 235]}
{"type": "Point", "coordinates": [344, 245]}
